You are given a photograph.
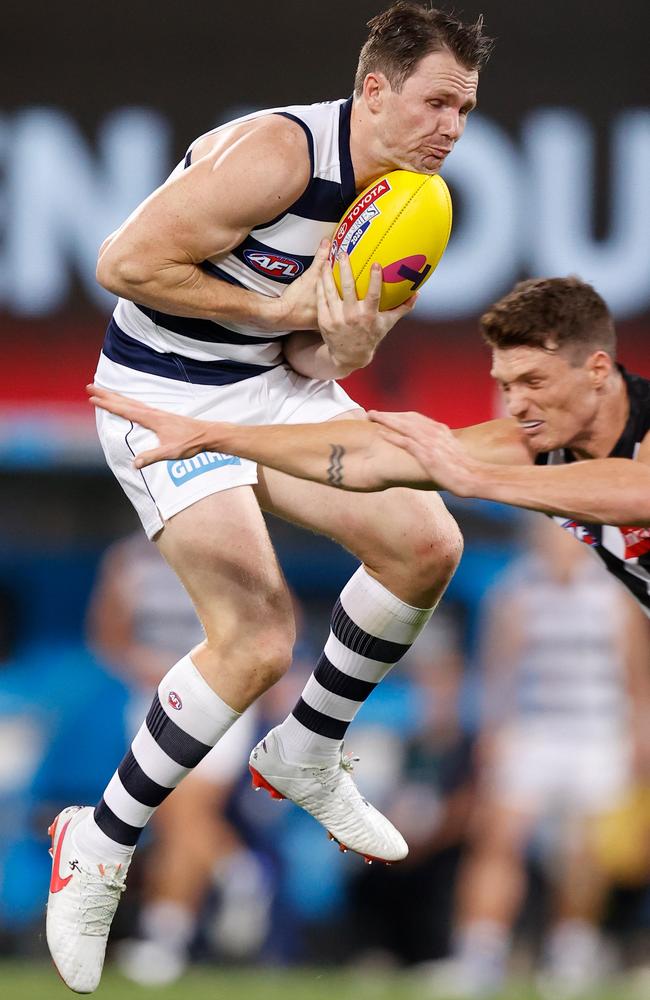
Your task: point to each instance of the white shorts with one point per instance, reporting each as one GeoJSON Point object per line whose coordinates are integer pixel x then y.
{"type": "Point", "coordinates": [279, 396]}
{"type": "Point", "coordinates": [539, 773]}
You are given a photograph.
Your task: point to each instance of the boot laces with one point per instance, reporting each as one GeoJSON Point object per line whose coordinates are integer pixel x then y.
{"type": "Point", "coordinates": [101, 891]}
{"type": "Point", "coordinates": [330, 777]}
{"type": "Point", "coordinates": [348, 760]}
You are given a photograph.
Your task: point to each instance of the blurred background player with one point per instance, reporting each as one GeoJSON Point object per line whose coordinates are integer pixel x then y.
{"type": "Point", "coordinates": [140, 622]}
{"type": "Point", "coordinates": [564, 734]}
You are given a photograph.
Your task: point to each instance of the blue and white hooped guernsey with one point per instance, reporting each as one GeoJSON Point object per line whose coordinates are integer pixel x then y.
{"type": "Point", "coordinates": [272, 256]}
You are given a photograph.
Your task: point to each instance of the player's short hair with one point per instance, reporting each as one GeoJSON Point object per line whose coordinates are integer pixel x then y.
{"type": "Point", "coordinates": [402, 35]}
{"type": "Point", "coordinates": [552, 314]}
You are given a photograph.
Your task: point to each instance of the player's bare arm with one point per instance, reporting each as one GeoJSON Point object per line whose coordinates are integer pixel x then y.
{"type": "Point", "coordinates": [353, 454]}
{"type": "Point", "coordinates": [599, 491]}
{"type": "Point", "coordinates": [239, 178]}
{"type": "Point", "coordinates": [350, 454]}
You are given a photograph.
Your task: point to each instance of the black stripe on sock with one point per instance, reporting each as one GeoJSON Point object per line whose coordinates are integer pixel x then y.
{"type": "Point", "coordinates": [354, 638]}
{"type": "Point", "coordinates": [324, 725]}
{"type": "Point", "coordinates": [335, 681]}
{"type": "Point", "coordinates": [115, 828]}
{"type": "Point", "coordinates": [177, 744]}
{"type": "Point", "coordinates": [138, 784]}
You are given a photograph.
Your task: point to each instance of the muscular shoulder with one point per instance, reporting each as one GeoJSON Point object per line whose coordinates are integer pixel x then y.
{"type": "Point", "coordinates": [498, 441]}
{"type": "Point", "coordinates": [269, 153]}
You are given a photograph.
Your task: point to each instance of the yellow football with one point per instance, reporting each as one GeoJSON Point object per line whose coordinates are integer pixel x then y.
{"type": "Point", "coordinates": [401, 220]}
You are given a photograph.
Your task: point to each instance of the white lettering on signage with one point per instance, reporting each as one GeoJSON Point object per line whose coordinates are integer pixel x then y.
{"type": "Point", "coordinates": [521, 207]}
{"type": "Point", "coordinates": [62, 200]}
{"type": "Point", "coordinates": [531, 209]}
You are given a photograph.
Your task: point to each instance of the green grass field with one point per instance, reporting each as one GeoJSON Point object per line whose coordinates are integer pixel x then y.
{"type": "Point", "coordinates": [34, 981]}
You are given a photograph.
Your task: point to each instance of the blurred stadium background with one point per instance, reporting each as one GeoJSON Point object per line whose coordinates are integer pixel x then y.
{"type": "Point", "coordinates": [551, 178]}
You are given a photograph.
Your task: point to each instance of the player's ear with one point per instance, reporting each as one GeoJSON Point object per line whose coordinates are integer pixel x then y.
{"type": "Point", "coordinates": [599, 365]}
{"type": "Point", "coordinates": [375, 86]}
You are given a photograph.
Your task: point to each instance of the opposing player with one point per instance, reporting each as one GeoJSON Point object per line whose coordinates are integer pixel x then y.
{"type": "Point", "coordinates": [576, 445]}
{"type": "Point", "coordinates": [225, 311]}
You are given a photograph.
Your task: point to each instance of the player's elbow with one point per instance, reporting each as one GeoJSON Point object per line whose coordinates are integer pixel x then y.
{"type": "Point", "coordinates": [120, 273]}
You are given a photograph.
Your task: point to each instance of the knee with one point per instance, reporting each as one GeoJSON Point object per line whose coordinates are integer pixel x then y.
{"type": "Point", "coordinates": [270, 655]}
{"type": "Point", "coordinates": [258, 658]}
{"type": "Point", "coordinates": [431, 545]}
{"type": "Point", "coordinates": [254, 643]}
{"type": "Point", "coordinates": [271, 641]}
{"type": "Point", "coordinates": [441, 558]}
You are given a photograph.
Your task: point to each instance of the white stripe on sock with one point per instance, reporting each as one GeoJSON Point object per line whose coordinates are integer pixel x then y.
{"type": "Point", "coordinates": [374, 609]}
{"type": "Point", "coordinates": [353, 664]}
{"type": "Point", "coordinates": [153, 760]}
{"type": "Point", "coordinates": [333, 705]}
{"type": "Point", "coordinates": [124, 805]}
{"type": "Point", "coordinates": [202, 713]}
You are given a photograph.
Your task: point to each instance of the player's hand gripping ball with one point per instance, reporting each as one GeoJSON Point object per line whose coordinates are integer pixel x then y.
{"type": "Point", "coordinates": [402, 221]}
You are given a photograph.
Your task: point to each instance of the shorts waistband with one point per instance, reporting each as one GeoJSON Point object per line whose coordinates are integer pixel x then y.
{"type": "Point", "coordinates": [132, 353]}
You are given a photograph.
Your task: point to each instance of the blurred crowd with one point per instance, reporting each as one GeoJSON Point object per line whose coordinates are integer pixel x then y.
{"type": "Point", "coordinates": [514, 755]}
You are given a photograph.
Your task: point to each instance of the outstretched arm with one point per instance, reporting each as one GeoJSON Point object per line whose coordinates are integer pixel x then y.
{"type": "Point", "coordinates": [408, 449]}
{"type": "Point", "coordinates": [596, 491]}
{"type": "Point", "coordinates": [349, 454]}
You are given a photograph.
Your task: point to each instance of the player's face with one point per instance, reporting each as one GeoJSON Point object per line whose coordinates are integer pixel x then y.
{"type": "Point", "coordinates": [554, 402]}
{"type": "Point", "coordinates": [421, 124]}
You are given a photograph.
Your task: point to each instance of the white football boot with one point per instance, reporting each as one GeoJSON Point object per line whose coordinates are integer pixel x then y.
{"type": "Point", "coordinates": [81, 905]}
{"type": "Point", "coordinates": [330, 795]}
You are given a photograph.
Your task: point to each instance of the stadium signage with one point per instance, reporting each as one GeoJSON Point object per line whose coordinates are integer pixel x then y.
{"type": "Point", "coordinates": [524, 206]}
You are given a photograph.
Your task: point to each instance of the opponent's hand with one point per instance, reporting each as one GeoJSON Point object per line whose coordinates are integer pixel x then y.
{"type": "Point", "coordinates": [179, 437]}
{"type": "Point", "coordinates": [433, 445]}
{"type": "Point", "coordinates": [351, 327]}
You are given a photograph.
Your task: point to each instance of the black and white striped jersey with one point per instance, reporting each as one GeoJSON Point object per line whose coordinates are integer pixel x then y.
{"type": "Point", "coordinates": [268, 259]}
{"type": "Point", "coordinates": [624, 550]}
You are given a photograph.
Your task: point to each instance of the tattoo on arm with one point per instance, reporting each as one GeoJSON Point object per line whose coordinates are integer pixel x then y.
{"type": "Point", "coordinates": [335, 468]}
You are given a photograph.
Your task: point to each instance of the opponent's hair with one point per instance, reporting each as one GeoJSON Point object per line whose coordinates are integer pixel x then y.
{"type": "Point", "coordinates": [402, 35]}
{"type": "Point", "coordinates": [552, 314]}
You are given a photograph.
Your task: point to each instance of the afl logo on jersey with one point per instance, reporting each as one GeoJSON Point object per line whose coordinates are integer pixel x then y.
{"type": "Point", "coordinates": [273, 265]}
{"type": "Point", "coordinates": [174, 701]}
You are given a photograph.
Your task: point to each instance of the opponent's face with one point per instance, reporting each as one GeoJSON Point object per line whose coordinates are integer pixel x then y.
{"type": "Point", "coordinates": [420, 125]}
{"type": "Point", "coordinates": [554, 402]}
